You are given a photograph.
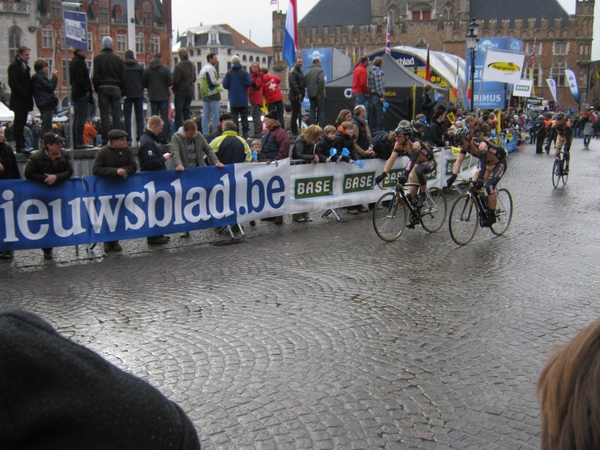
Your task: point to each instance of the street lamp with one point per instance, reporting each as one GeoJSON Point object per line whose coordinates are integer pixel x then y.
{"type": "Point", "coordinates": [472, 40]}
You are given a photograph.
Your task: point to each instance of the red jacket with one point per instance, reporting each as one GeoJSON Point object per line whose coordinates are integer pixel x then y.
{"type": "Point", "coordinates": [271, 88]}
{"type": "Point", "coordinates": [359, 80]}
{"type": "Point", "coordinates": [255, 92]}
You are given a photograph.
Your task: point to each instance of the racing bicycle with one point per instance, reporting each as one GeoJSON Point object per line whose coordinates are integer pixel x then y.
{"type": "Point", "coordinates": [393, 210]}
{"type": "Point", "coordinates": [470, 211]}
{"type": "Point", "coordinates": [559, 169]}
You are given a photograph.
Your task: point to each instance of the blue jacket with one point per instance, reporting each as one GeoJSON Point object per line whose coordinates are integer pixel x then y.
{"type": "Point", "coordinates": [237, 81]}
{"type": "Point", "coordinates": [149, 153]}
{"type": "Point", "coordinates": [43, 91]}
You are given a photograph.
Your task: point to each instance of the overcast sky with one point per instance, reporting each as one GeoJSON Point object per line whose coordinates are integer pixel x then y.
{"type": "Point", "coordinates": [253, 18]}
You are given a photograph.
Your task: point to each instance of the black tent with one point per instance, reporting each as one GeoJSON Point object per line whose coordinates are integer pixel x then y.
{"type": "Point", "coordinates": [399, 83]}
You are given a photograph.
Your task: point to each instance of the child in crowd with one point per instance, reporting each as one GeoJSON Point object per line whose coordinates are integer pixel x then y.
{"type": "Point", "coordinates": [257, 155]}
{"type": "Point", "coordinates": [344, 139]}
{"type": "Point", "coordinates": [325, 144]}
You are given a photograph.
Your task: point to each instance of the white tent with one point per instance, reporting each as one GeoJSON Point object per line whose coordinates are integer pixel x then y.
{"type": "Point", "coordinates": [5, 113]}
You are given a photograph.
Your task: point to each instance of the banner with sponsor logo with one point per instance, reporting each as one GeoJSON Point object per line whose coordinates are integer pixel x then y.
{"type": "Point", "coordinates": [523, 88]}
{"type": "Point", "coordinates": [572, 80]}
{"type": "Point", "coordinates": [85, 210]}
{"type": "Point", "coordinates": [503, 67]}
{"type": "Point", "coordinates": [552, 85]}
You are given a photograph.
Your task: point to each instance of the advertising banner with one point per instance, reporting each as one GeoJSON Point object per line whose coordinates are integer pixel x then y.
{"type": "Point", "coordinates": [572, 80]}
{"type": "Point", "coordinates": [523, 88]}
{"type": "Point", "coordinates": [552, 85]}
{"type": "Point", "coordinates": [76, 29]}
{"type": "Point", "coordinates": [84, 210]}
{"type": "Point", "coordinates": [504, 67]}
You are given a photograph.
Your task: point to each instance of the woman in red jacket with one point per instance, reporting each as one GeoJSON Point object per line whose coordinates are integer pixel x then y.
{"type": "Point", "coordinates": [273, 94]}
{"type": "Point", "coordinates": [255, 95]}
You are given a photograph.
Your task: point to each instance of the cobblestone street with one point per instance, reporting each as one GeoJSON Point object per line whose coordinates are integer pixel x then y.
{"type": "Point", "coordinates": [321, 335]}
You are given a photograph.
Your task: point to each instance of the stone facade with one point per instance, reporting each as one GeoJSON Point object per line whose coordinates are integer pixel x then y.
{"type": "Point", "coordinates": [445, 28]}
{"type": "Point", "coordinates": [19, 24]}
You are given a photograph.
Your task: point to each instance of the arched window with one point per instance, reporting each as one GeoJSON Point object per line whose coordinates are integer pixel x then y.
{"type": "Point", "coordinates": [139, 43]}
{"type": "Point", "coordinates": [14, 41]}
{"type": "Point", "coordinates": [448, 12]}
{"type": "Point", "coordinates": [535, 74]}
{"type": "Point", "coordinates": [251, 59]}
{"type": "Point", "coordinates": [264, 60]}
{"type": "Point", "coordinates": [558, 71]}
{"type": "Point", "coordinates": [244, 58]}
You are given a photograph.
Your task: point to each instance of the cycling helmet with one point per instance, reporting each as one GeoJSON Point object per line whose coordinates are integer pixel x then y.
{"type": "Point", "coordinates": [459, 135]}
{"type": "Point", "coordinates": [560, 116]}
{"type": "Point", "coordinates": [403, 130]}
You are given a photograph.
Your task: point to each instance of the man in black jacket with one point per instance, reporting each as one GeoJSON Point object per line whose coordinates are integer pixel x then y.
{"type": "Point", "coordinates": [43, 93]}
{"type": "Point", "coordinates": [296, 94]}
{"type": "Point", "coordinates": [21, 96]}
{"type": "Point", "coordinates": [135, 82]}
{"type": "Point", "coordinates": [539, 131]}
{"type": "Point", "coordinates": [49, 165]}
{"type": "Point", "coordinates": [158, 82]}
{"type": "Point", "coordinates": [109, 81]}
{"type": "Point", "coordinates": [81, 94]}
{"type": "Point", "coordinates": [184, 77]}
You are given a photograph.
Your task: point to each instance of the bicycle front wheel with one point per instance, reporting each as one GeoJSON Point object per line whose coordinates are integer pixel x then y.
{"type": "Point", "coordinates": [433, 212]}
{"type": "Point", "coordinates": [557, 171]}
{"type": "Point", "coordinates": [504, 212]}
{"type": "Point", "coordinates": [389, 217]}
{"type": "Point", "coordinates": [464, 220]}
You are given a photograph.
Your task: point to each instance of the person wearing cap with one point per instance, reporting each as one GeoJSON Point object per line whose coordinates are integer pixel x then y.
{"type": "Point", "coordinates": [114, 160]}
{"type": "Point", "coordinates": [158, 82]}
{"type": "Point", "coordinates": [210, 90]}
{"type": "Point", "coordinates": [108, 78]}
{"type": "Point", "coordinates": [51, 165]}
{"type": "Point", "coordinates": [225, 117]}
{"type": "Point", "coordinates": [58, 394]}
{"type": "Point", "coordinates": [135, 82]}
{"type": "Point", "coordinates": [81, 94]}
{"type": "Point", "coordinates": [237, 81]}
{"type": "Point", "coordinates": [276, 144]}
{"type": "Point", "coordinates": [21, 95]}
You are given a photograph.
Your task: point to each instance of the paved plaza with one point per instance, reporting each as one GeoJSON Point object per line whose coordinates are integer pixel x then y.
{"type": "Point", "coordinates": [323, 336]}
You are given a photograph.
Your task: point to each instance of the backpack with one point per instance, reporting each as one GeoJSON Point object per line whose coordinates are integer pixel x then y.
{"type": "Point", "coordinates": [379, 141]}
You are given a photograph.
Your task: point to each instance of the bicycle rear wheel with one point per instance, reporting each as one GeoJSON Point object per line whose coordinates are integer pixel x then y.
{"type": "Point", "coordinates": [464, 220]}
{"type": "Point", "coordinates": [504, 212]}
{"type": "Point", "coordinates": [433, 212]}
{"type": "Point", "coordinates": [389, 217]}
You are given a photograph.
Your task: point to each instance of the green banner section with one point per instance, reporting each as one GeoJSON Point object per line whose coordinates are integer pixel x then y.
{"type": "Point", "coordinates": [313, 187]}
{"type": "Point", "coordinates": [358, 182]}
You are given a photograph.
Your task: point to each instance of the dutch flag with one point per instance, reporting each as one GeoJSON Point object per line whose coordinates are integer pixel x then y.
{"type": "Point", "coordinates": [290, 36]}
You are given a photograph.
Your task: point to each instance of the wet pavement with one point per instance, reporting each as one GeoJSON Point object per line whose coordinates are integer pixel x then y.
{"type": "Point", "coordinates": [321, 335]}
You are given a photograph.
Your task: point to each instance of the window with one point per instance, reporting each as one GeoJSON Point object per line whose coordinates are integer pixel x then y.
{"type": "Point", "coordinates": [103, 14]}
{"type": "Point", "coordinates": [56, 10]}
{"type": "Point", "coordinates": [198, 67]}
{"type": "Point", "coordinates": [214, 50]}
{"type": "Point", "coordinates": [175, 61]}
{"type": "Point", "coordinates": [251, 58]}
{"type": "Point", "coordinates": [213, 39]}
{"type": "Point", "coordinates": [154, 44]}
{"type": "Point", "coordinates": [448, 12]}
{"type": "Point", "coordinates": [558, 72]}
{"type": "Point", "coordinates": [90, 40]}
{"type": "Point", "coordinates": [14, 41]}
{"type": "Point", "coordinates": [147, 18]}
{"type": "Point", "coordinates": [65, 62]}
{"type": "Point", "coordinates": [244, 58]}
{"type": "Point", "coordinates": [191, 52]}
{"type": "Point", "coordinates": [50, 64]}
{"type": "Point", "coordinates": [538, 48]}
{"type": "Point", "coordinates": [264, 60]}
{"type": "Point", "coordinates": [121, 43]}
{"type": "Point", "coordinates": [47, 38]}
{"type": "Point", "coordinates": [560, 48]}
{"type": "Point", "coordinates": [534, 74]}
{"type": "Point", "coordinates": [139, 43]}
{"type": "Point", "coordinates": [421, 15]}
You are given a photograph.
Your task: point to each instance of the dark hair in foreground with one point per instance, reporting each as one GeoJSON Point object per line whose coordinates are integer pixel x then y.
{"type": "Point", "coordinates": [568, 390]}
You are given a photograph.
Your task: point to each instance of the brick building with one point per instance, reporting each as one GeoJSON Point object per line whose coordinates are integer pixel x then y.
{"type": "Point", "coordinates": [562, 41]}
{"type": "Point", "coordinates": [104, 18]}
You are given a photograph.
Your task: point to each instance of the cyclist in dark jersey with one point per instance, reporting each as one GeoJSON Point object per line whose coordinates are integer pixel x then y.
{"type": "Point", "coordinates": [492, 166]}
{"type": "Point", "coordinates": [421, 162]}
{"type": "Point", "coordinates": [564, 135]}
